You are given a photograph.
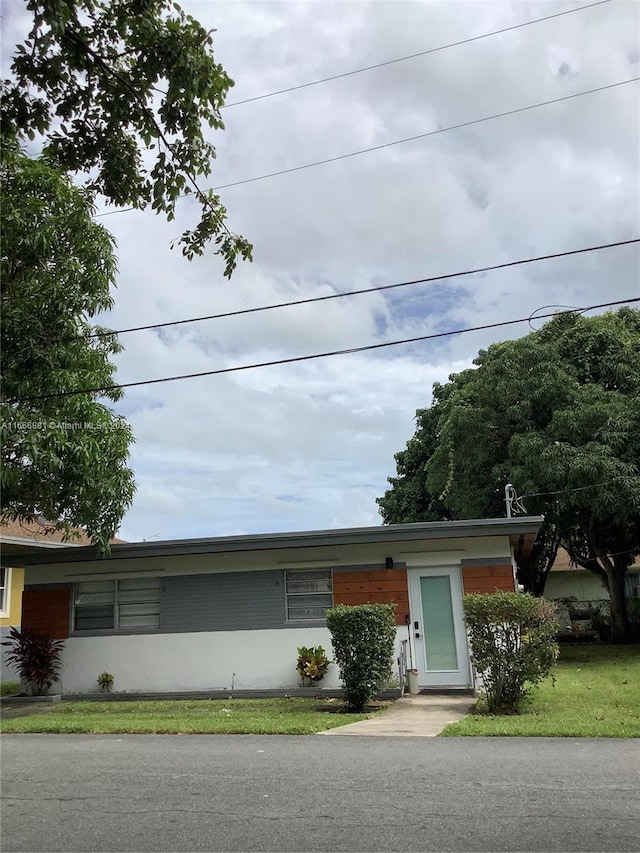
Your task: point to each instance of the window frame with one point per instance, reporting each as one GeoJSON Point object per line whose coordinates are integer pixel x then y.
{"type": "Point", "coordinates": [309, 620]}
{"type": "Point", "coordinates": [5, 592]}
{"type": "Point", "coordinates": [115, 605]}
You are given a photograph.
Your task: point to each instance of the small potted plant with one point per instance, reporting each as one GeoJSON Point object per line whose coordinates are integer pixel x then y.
{"type": "Point", "coordinates": [105, 681]}
{"type": "Point", "coordinates": [312, 665]}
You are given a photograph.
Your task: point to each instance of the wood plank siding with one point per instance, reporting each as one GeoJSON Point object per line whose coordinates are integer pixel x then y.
{"type": "Point", "coordinates": [47, 611]}
{"type": "Point", "coordinates": [374, 586]}
{"type": "Point", "coordinates": [498, 578]}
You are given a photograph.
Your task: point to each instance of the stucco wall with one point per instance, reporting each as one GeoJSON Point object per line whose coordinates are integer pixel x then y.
{"type": "Point", "coordinates": [11, 616]}
{"type": "Point", "coordinates": [11, 619]}
{"type": "Point", "coordinates": [195, 661]}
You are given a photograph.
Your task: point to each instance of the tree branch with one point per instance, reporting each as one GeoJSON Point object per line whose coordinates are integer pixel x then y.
{"type": "Point", "coordinates": [160, 135]}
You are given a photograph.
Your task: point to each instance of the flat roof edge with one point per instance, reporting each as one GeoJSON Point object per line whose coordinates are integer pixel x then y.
{"type": "Point", "coordinates": [304, 539]}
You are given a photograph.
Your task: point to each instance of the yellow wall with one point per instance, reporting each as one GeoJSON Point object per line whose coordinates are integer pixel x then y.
{"type": "Point", "coordinates": [14, 611]}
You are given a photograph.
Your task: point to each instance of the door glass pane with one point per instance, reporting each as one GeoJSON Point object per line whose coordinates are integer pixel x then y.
{"type": "Point", "coordinates": [437, 616]}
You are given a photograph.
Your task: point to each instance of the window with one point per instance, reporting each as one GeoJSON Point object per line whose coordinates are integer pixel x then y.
{"type": "Point", "coordinates": [309, 594]}
{"type": "Point", "coordinates": [117, 604]}
{"type": "Point", "coordinates": [4, 590]}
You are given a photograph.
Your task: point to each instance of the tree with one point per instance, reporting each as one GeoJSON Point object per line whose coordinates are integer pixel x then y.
{"type": "Point", "coordinates": [121, 91]}
{"type": "Point", "coordinates": [64, 458]}
{"type": "Point", "coordinates": [409, 500]}
{"type": "Point", "coordinates": [556, 413]}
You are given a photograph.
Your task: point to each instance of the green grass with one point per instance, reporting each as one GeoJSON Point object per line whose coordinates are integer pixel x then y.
{"type": "Point", "coordinates": [8, 688]}
{"type": "Point", "coordinates": [596, 694]}
{"type": "Point", "coordinates": [228, 716]}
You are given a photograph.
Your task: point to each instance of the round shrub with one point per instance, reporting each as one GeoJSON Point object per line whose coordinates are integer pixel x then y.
{"type": "Point", "coordinates": [513, 646]}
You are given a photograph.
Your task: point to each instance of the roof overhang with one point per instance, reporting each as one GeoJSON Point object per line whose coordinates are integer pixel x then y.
{"type": "Point", "coordinates": [514, 528]}
{"type": "Point", "coordinates": [21, 545]}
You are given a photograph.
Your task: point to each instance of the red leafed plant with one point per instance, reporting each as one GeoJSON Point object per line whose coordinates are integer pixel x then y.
{"type": "Point", "coordinates": [35, 657]}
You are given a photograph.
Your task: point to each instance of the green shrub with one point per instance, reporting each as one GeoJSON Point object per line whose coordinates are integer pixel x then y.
{"type": "Point", "coordinates": [363, 638]}
{"type": "Point", "coordinates": [35, 657]}
{"type": "Point", "coordinates": [313, 664]}
{"type": "Point", "coordinates": [512, 639]}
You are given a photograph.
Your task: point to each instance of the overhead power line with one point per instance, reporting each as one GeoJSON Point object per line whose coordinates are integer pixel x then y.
{"type": "Point", "coordinates": [425, 135]}
{"type": "Point", "coordinates": [344, 294]}
{"type": "Point", "coordinates": [299, 358]}
{"type": "Point", "coordinates": [566, 491]}
{"type": "Point", "coordinates": [400, 141]}
{"type": "Point", "coordinates": [414, 55]}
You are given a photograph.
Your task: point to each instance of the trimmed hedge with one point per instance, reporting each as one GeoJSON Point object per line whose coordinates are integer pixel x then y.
{"type": "Point", "coordinates": [363, 638]}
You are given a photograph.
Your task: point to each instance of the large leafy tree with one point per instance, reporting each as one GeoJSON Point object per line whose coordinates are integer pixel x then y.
{"type": "Point", "coordinates": [64, 458]}
{"type": "Point", "coordinates": [121, 94]}
{"type": "Point", "coordinates": [123, 91]}
{"type": "Point", "coordinates": [556, 413]}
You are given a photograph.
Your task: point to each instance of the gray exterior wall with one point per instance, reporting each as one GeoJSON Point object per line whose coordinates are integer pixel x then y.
{"type": "Point", "coordinates": [234, 601]}
{"type": "Point", "coordinates": [7, 673]}
{"type": "Point", "coordinates": [227, 601]}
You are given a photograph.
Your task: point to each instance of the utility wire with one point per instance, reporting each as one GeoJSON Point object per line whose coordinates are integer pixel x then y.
{"type": "Point", "coordinates": [300, 358]}
{"type": "Point", "coordinates": [566, 491]}
{"type": "Point", "coordinates": [344, 294]}
{"type": "Point", "coordinates": [425, 135]}
{"type": "Point", "coordinates": [413, 55]}
{"type": "Point", "coordinates": [400, 141]}
{"type": "Point", "coordinates": [543, 307]}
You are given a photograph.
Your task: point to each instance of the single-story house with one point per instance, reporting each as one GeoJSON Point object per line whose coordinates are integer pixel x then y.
{"type": "Point", "coordinates": [228, 613]}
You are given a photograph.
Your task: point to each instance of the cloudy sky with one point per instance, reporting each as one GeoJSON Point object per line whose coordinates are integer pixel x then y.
{"type": "Point", "coordinates": [309, 445]}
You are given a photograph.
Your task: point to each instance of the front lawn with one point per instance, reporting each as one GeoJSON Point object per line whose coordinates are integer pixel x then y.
{"type": "Point", "coordinates": [221, 716]}
{"type": "Point", "coordinates": [596, 694]}
{"type": "Point", "coordinates": [8, 688]}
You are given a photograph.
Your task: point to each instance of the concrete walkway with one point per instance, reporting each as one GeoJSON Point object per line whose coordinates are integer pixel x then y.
{"type": "Point", "coordinates": [411, 716]}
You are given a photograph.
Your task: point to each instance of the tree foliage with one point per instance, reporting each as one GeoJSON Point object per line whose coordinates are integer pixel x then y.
{"type": "Point", "coordinates": [123, 90]}
{"type": "Point", "coordinates": [556, 413]}
{"type": "Point", "coordinates": [64, 458]}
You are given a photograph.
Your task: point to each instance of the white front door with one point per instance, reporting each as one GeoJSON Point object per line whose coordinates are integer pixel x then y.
{"type": "Point", "coordinates": [438, 633]}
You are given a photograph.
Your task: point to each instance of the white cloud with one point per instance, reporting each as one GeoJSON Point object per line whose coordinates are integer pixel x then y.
{"type": "Point", "coordinates": [310, 445]}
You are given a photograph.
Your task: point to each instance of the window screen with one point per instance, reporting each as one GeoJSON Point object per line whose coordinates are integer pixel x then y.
{"type": "Point", "coordinates": [117, 604]}
{"type": "Point", "coordinates": [309, 594]}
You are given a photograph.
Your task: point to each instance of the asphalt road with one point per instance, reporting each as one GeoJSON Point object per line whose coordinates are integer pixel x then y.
{"type": "Point", "coordinates": [246, 793]}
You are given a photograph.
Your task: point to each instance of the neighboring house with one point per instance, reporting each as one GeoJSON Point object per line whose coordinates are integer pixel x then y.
{"type": "Point", "coordinates": [567, 580]}
{"type": "Point", "coordinates": [17, 539]}
{"type": "Point", "coordinates": [230, 612]}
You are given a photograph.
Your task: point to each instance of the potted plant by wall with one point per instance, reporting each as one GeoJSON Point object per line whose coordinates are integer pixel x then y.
{"type": "Point", "coordinates": [105, 681]}
{"type": "Point", "coordinates": [312, 665]}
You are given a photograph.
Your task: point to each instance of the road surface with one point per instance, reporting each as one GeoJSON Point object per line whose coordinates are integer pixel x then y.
{"type": "Point", "coordinates": [247, 793]}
